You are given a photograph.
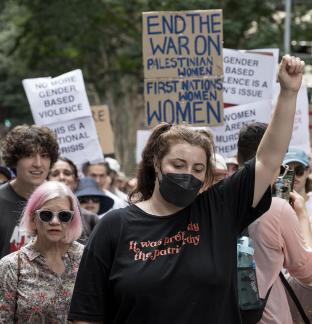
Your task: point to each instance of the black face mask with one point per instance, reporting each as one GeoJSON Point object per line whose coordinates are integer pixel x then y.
{"type": "Point", "coordinates": [179, 189]}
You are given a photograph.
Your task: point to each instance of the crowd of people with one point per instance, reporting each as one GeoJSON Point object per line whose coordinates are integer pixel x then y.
{"type": "Point", "coordinates": [91, 246]}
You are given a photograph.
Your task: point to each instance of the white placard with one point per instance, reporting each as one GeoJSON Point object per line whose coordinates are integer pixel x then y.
{"type": "Point", "coordinates": [77, 142]}
{"type": "Point", "coordinates": [226, 136]}
{"type": "Point", "coordinates": [61, 103]}
{"type": "Point", "coordinates": [248, 77]}
{"type": "Point", "coordinates": [300, 136]}
{"type": "Point", "coordinates": [275, 53]}
{"type": "Point", "coordinates": [141, 140]}
{"type": "Point", "coordinates": [57, 99]}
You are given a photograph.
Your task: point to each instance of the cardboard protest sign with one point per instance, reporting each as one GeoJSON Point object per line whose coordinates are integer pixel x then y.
{"type": "Point", "coordinates": [103, 128]}
{"type": "Point", "coordinates": [226, 136]}
{"type": "Point", "coordinates": [247, 77]}
{"type": "Point", "coordinates": [61, 103]}
{"type": "Point", "coordinates": [183, 69]}
{"type": "Point", "coordinates": [300, 136]}
{"type": "Point", "coordinates": [76, 139]}
{"type": "Point", "coordinates": [181, 101]}
{"type": "Point", "coordinates": [56, 99]}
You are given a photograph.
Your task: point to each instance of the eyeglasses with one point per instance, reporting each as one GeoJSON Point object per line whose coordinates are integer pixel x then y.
{"type": "Point", "coordinates": [46, 215]}
{"type": "Point", "coordinates": [299, 170]}
{"type": "Point", "coordinates": [86, 199]}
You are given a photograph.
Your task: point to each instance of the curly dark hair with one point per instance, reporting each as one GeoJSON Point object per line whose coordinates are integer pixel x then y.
{"type": "Point", "coordinates": [158, 145]}
{"type": "Point", "coordinates": [24, 140]}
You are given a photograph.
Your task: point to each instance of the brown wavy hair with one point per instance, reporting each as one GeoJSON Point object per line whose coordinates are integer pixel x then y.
{"type": "Point", "coordinates": [24, 140]}
{"type": "Point", "coordinates": [161, 139]}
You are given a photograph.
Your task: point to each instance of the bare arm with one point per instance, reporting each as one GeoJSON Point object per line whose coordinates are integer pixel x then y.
{"type": "Point", "coordinates": [275, 141]}
{"type": "Point", "coordinates": [303, 217]}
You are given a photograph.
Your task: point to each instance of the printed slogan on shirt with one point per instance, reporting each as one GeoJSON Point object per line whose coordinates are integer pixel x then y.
{"type": "Point", "coordinates": [168, 245]}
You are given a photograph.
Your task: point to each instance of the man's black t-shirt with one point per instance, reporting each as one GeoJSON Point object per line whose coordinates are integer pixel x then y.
{"type": "Point", "coordinates": [143, 269]}
{"type": "Point", "coordinates": [11, 207]}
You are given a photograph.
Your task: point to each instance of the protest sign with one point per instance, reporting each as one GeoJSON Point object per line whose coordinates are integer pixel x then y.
{"type": "Point", "coordinates": [300, 135]}
{"type": "Point", "coordinates": [61, 103]}
{"type": "Point", "coordinates": [226, 136]}
{"type": "Point", "coordinates": [247, 77]}
{"type": "Point", "coordinates": [141, 140]}
{"type": "Point", "coordinates": [270, 51]}
{"type": "Point", "coordinates": [182, 57]}
{"type": "Point", "coordinates": [103, 128]}
{"type": "Point", "coordinates": [197, 101]}
{"type": "Point", "coordinates": [76, 139]}
{"type": "Point", "coordinates": [56, 99]}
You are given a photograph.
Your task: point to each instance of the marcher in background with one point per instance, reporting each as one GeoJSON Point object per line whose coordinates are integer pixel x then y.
{"type": "Point", "coordinates": [92, 198]}
{"type": "Point", "coordinates": [298, 161]}
{"type": "Point", "coordinates": [232, 165]}
{"type": "Point", "coordinates": [114, 169]}
{"type": "Point", "coordinates": [36, 282]}
{"type": "Point", "coordinates": [170, 257]}
{"type": "Point", "coordinates": [121, 182]}
{"type": "Point", "coordinates": [99, 172]}
{"type": "Point", "coordinates": [131, 185]}
{"type": "Point", "coordinates": [65, 170]}
{"type": "Point", "coordinates": [5, 174]}
{"type": "Point", "coordinates": [277, 237]}
{"type": "Point", "coordinates": [220, 169]}
{"type": "Point", "coordinates": [30, 151]}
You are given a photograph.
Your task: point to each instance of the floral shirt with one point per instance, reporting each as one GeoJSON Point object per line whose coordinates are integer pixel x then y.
{"type": "Point", "coordinates": [40, 295]}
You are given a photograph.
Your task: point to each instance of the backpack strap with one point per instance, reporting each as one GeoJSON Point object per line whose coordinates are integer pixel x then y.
{"type": "Point", "coordinates": [267, 296]}
{"type": "Point", "coordinates": [295, 299]}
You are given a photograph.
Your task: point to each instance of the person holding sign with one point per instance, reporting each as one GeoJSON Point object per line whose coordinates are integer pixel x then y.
{"type": "Point", "coordinates": [170, 257]}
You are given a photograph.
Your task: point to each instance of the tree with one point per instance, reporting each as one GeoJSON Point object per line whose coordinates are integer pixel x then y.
{"type": "Point", "coordinates": [103, 38]}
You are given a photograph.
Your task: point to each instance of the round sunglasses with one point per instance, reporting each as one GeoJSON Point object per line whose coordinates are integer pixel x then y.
{"type": "Point", "coordinates": [87, 199]}
{"type": "Point", "coordinates": [46, 215]}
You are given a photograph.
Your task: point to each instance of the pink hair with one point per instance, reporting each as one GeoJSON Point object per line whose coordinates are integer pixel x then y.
{"type": "Point", "coordinates": [45, 192]}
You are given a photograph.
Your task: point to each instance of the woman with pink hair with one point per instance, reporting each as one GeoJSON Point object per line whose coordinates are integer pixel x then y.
{"type": "Point", "coordinates": [36, 282]}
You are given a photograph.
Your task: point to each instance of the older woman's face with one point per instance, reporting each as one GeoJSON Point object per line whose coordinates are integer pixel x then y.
{"type": "Point", "coordinates": [62, 171]}
{"type": "Point", "coordinates": [53, 230]}
{"type": "Point", "coordinates": [185, 158]}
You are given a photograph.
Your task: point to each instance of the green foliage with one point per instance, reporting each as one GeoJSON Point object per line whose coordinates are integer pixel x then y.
{"type": "Point", "coordinates": [104, 39]}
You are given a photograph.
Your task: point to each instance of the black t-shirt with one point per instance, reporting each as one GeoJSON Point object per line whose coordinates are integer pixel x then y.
{"type": "Point", "coordinates": [11, 207]}
{"type": "Point", "coordinates": [139, 268]}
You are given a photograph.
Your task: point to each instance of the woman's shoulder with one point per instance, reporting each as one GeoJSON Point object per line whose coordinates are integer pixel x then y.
{"type": "Point", "coordinates": [9, 263]}
{"type": "Point", "coordinates": [76, 248]}
{"type": "Point", "coordinates": [10, 258]}
{"type": "Point", "coordinates": [115, 216]}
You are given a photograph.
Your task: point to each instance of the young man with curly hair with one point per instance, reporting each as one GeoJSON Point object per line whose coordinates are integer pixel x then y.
{"type": "Point", "coordinates": [30, 151]}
